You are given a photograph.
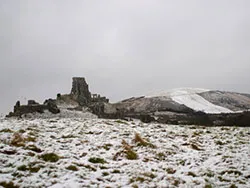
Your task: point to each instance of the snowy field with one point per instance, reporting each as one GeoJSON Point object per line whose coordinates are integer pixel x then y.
{"type": "Point", "coordinates": [78, 152]}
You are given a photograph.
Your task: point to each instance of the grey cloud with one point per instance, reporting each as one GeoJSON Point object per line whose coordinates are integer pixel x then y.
{"type": "Point", "coordinates": [123, 48]}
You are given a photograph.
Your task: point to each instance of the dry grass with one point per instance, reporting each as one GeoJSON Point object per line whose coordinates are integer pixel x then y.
{"type": "Point", "coordinates": [33, 148]}
{"type": "Point", "coordinates": [149, 175]}
{"type": "Point", "coordinates": [130, 154]}
{"type": "Point", "coordinates": [128, 151]}
{"type": "Point", "coordinates": [142, 142]}
{"type": "Point", "coordinates": [195, 147]}
{"type": "Point", "coordinates": [19, 140]}
{"type": "Point", "coordinates": [126, 146]}
{"type": "Point", "coordinates": [170, 170]}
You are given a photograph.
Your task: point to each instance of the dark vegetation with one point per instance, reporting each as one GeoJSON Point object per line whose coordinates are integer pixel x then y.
{"type": "Point", "coordinates": [97, 160]}
{"type": "Point", "coordinates": [8, 184]}
{"type": "Point", "coordinates": [49, 157]}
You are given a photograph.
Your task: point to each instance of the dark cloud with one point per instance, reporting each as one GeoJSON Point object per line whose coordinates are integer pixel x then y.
{"type": "Point", "coordinates": [123, 48]}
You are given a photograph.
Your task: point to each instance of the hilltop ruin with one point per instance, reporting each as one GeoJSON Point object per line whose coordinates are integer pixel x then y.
{"type": "Point", "coordinates": [80, 93]}
{"type": "Point", "coordinates": [79, 97]}
{"type": "Point", "coordinates": [147, 109]}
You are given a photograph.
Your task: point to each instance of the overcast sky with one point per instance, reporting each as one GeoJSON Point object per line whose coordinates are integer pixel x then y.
{"type": "Point", "coordinates": [123, 48]}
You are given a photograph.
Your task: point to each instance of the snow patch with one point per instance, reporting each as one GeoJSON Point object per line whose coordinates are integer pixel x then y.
{"type": "Point", "coordinates": [177, 91]}
{"type": "Point", "coordinates": [190, 98]}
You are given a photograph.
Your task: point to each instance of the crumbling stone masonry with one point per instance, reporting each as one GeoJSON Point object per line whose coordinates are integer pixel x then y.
{"type": "Point", "coordinates": [79, 95]}
{"type": "Point", "coordinates": [32, 107]}
{"type": "Point", "coordinates": [80, 91]}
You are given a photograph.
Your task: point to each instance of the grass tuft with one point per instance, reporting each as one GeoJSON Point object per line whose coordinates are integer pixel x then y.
{"type": "Point", "coordinates": [107, 146]}
{"type": "Point", "coordinates": [130, 154]}
{"type": "Point", "coordinates": [235, 172]}
{"type": "Point", "coordinates": [22, 168]}
{"type": "Point", "coordinates": [6, 131]}
{"type": "Point", "coordinates": [170, 170]}
{"type": "Point", "coordinates": [29, 168]}
{"type": "Point", "coordinates": [191, 174]}
{"type": "Point", "coordinates": [116, 171]}
{"type": "Point", "coordinates": [105, 174]}
{"type": "Point", "coordinates": [97, 160]}
{"type": "Point", "coordinates": [50, 157]}
{"type": "Point", "coordinates": [33, 148]}
{"type": "Point", "coordinates": [21, 131]}
{"type": "Point", "coordinates": [195, 147]}
{"type": "Point", "coordinates": [139, 179]}
{"type": "Point", "coordinates": [72, 168]}
{"type": "Point", "coordinates": [121, 122]}
{"type": "Point", "coordinates": [17, 140]}
{"type": "Point", "coordinates": [233, 186]}
{"type": "Point", "coordinates": [149, 174]}
{"type": "Point", "coordinates": [208, 186]}
{"type": "Point", "coordinates": [219, 142]}
{"type": "Point", "coordinates": [90, 167]}
{"type": "Point", "coordinates": [135, 186]}
{"type": "Point", "coordinates": [142, 142]}
{"type": "Point", "coordinates": [160, 156]}
{"type": "Point", "coordinates": [34, 169]}
{"type": "Point", "coordinates": [30, 139]}
{"type": "Point", "coordinates": [8, 184]}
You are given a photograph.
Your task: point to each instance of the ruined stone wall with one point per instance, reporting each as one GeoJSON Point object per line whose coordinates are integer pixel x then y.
{"type": "Point", "coordinates": [33, 107]}
{"type": "Point", "coordinates": [80, 91]}
{"type": "Point", "coordinates": [99, 98]}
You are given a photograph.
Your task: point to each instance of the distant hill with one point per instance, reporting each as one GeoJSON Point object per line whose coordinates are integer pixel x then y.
{"type": "Point", "coordinates": [189, 99]}
{"type": "Point", "coordinates": [178, 106]}
{"type": "Point", "coordinates": [206, 100]}
{"type": "Point", "coordinates": [183, 106]}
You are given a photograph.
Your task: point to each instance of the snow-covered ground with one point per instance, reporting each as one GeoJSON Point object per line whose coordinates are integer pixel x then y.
{"type": "Point", "coordinates": [91, 154]}
{"type": "Point", "coordinates": [190, 98]}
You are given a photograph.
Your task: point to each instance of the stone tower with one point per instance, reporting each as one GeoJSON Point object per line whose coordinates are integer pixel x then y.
{"type": "Point", "coordinates": [80, 91]}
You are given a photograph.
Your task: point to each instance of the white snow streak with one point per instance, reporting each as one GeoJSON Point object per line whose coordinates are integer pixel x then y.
{"type": "Point", "coordinates": [190, 98]}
